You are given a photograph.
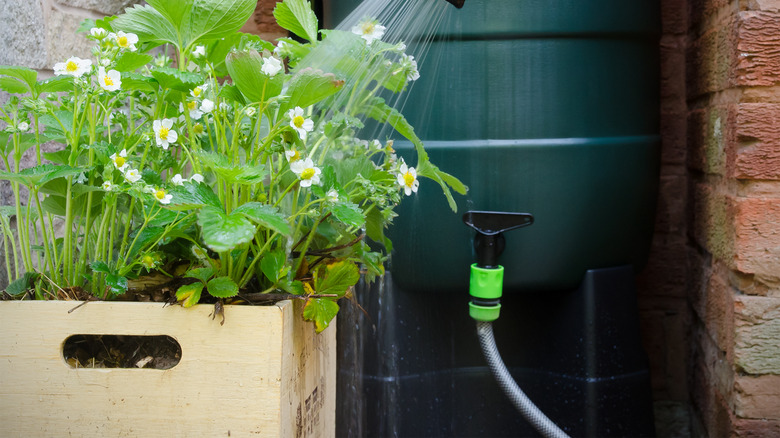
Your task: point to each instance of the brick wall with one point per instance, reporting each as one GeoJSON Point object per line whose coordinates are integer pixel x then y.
{"type": "Point", "coordinates": [721, 102]}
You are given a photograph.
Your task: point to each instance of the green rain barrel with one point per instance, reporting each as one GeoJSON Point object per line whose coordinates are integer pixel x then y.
{"type": "Point", "coordinates": [548, 107]}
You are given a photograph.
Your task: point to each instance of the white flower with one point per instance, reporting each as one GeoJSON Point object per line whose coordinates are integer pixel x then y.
{"type": "Point", "coordinates": [224, 106]}
{"type": "Point", "coordinates": [306, 171]}
{"type": "Point", "coordinates": [207, 106]}
{"type": "Point", "coordinates": [199, 252]}
{"type": "Point", "coordinates": [250, 111]}
{"type": "Point", "coordinates": [400, 47]}
{"type": "Point", "coordinates": [125, 40]}
{"type": "Point", "coordinates": [110, 81]}
{"type": "Point", "coordinates": [198, 91]}
{"type": "Point", "coordinates": [199, 51]}
{"type": "Point", "coordinates": [407, 178]}
{"type": "Point", "coordinates": [282, 49]}
{"type": "Point", "coordinates": [271, 66]}
{"type": "Point", "coordinates": [192, 107]}
{"type": "Point", "coordinates": [108, 186]}
{"type": "Point", "coordinates": [409, 67]}
{"type": "Point", "coordinates": [23, 126]}
{"type": "Point", "coordinates": [177, 180]}
{"type": "Point", "coordinates": [98, 33]}
{"type": "Point", "coordinates": [163, 133]}
{"type": "Point", "coordinates": [299, 123]}
{"type": "Point", "coordinates": [332, 196]}
{"type": "Point", "coordinates": [196, 177]}
{"type": "Point", "coordinates": [73, 66]}
{"type": "Point", "coordinates": [160, 195]}
{"type": "Point", "coordinates": [120, 160]}
{"type": "Point", "coordinates": [292, 156]}
{"type": "Point", "coordinates": [132, 175]}
{"type": "Point", "coordinates": [369, 29]}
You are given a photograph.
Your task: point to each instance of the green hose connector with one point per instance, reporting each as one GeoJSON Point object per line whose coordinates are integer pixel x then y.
{"type": "Point", "coordinates": [485, 287]}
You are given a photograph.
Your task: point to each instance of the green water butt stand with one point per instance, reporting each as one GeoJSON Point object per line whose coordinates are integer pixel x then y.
{"type": "Point", "coordinates": [548, 107]}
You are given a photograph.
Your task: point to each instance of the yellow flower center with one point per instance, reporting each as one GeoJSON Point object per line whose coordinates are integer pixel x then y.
{"type": "Point", "coordinates": [196, 91]}
{"type": "Point", "coordinates": [368, 28]}
{"type": "Point", "coordinates": [295, 157]}
{"type": "Point", "coordinates": [71, 66]}
{"type": "Point", "coordinates": [122, 41]}
{"type": "Point", "coordinates": [192, 105]}
{"type": "Point", "coordinates": [307, 173]}
{"type": "Point", "coordinates": [119, 161]}
{"type": "Point", "coordinates": [408, 179]}
{"type": "Point", "coordinates": [159, 194]}
{"type": "Point", "coordinates": [197, 128]}
{"type": "Point", "coordinates": [298, 121]}
{"type": "Point", "coordinates": [148, 261]}
{"type": "Point", "coordinates": [107, 81]}
{"type": "Point", "coordinates": [164, 133]}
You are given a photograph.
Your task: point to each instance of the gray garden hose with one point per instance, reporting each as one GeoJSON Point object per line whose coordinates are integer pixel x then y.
{"type": "Point", "coordinates": [524, 405]}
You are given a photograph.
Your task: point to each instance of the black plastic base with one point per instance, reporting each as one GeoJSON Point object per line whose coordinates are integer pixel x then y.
{"type": "Point", "coordinates": [413, 366]}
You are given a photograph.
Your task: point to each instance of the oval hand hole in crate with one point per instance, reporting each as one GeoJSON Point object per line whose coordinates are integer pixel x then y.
{"type": "Point", "coordinates": [121, 351]}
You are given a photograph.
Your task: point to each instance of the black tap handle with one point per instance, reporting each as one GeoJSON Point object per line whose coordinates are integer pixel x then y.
{"type": "Point", "coordinates": [496, 222]}
{"type": "Point", "coordinates": [489, 242]}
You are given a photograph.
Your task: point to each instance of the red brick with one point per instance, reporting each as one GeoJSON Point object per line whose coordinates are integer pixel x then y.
{"type": "Point", "coordinates": [674, 17]}
{"type": "Point", "coordinates": [663, 323]}
{"type": "Point", "coordinates": [758, 58]}
{"type": "Point", "coordinates": [757, 397]}
{"type": "Point", "coordinates": [674, 126]}
{"type": "Point", "coordinates": [711, 59]}
{"type": "Point", "coordinates": [713, 222]}
{"type": "Point", "coordinates": [757, 238]}
{"type": "Point", "coordinates": [711, 138]}
{"type": "Point", "coordinates": [757, 127]}
{"type": "Point", "coordinates": [714, 305]}
{"type": "Point", "coordinates": [757, 341]}
{"type": "Point", "coordinates": [712, 386]}
{"type": "Point", "coordinates": [756, 428]}
{"type": "Point", "coordinates": [263, 23]}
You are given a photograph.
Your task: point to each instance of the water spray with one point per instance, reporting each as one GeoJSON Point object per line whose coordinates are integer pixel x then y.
{"type": "Point", "coordinates": [485, 288]}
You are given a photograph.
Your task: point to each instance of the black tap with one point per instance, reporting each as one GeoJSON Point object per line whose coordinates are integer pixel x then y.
{"type": "Point", "coordinates": [458, 3]}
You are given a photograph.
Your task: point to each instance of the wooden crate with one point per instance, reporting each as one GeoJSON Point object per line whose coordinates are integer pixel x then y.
{"type": "Point", "coordinates": [264, 373]}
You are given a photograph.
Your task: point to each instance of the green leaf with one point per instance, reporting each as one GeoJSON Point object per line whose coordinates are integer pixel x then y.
{"type": "Point", "coordinates": [22, 284]}
{"type": "Point", "coordinates": [298, 17]}
{"type": "Point", "coordinates": [310, 86]}
{"type": "Point", "coordinates": [223, 232]}
{"type": "Point", "coordinates": [39, 175]}
{"type": "Point", "coordinates": [321, 311]}
{"type": "Point", "coordinates": [274, 265]}
{"type": "Point", "coordinates": [193, 195]}
{"type": "Point", "coordinates": [232, 93]}
{"type": "Point", "coordinates": [13, 86]}
{"type": "Point", "coordinates": [128, 61]}
{"type": "Point", "coordinates": [245, 70]}
{"type": "Point", "coordinates": [176, 12]}
{"type": "Point", "coordinates": [294, 287]}
{"type": "Point", "coordinates": [349, 214]}
{"type": "Point", "coordinates": [212, 19]}
{"type": "Point", "coordinates": [117, 284]}
{"type": "Point", "coordinates": [189, 294]}
{"type": "Point", "coordinates": [265, 216]}
{"type": "Point", "coordinates": [26, 75]}
{"type": "Point", "coordinates": [230, 173]}
{"type": "Point", "coordinates": [149, 25]}
{"type": "Point", "coordinates": [173, 79]}
{"type": "Point", "coordinates": [56, 84]}
{"type": "Point", "coordinates": [337, 278]}
{"type": "Point", "coordinates": [98, 266]}
{"type": "Point", "coordinates": [375, 228]}
{"type": "Point", "coordinates": [202, 274]}
{"type": "Point", "coordinates": [145, 237]}
{"type": "Point", "coordinates": [55, 122]}
{"type": "Point", "coordinates": [133, 81]}
{"type": "Point", "coordinates": [222, 287]}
